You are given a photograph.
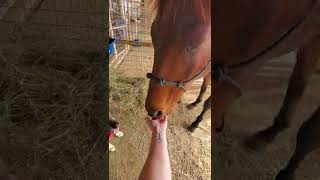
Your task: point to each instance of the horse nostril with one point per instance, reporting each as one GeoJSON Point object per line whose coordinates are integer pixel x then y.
{"type": "Point", "coordinates": [155, 114]}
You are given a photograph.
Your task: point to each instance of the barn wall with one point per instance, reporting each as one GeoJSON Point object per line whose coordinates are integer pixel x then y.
{"type": "Point", "coordinates": [79, 25]}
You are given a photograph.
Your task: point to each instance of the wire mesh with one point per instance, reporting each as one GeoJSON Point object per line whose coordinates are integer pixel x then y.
{"type": "Point", "coordinates": [130, 24]}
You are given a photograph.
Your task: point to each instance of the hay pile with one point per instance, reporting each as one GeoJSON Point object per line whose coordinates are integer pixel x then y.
{"type": "Point", "coordinates": [127, 94]}
{"type": "Point", "coordinates": [52, 113]}
{"type": "Point", "coordinates": [126, 104]}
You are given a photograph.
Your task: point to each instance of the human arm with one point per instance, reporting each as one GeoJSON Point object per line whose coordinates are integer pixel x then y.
{"type": "Point", "coordinates": [157, 165]}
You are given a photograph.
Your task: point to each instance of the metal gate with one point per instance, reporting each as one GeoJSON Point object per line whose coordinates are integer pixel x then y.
{"type": "Point", "coordinates": [130, 46]}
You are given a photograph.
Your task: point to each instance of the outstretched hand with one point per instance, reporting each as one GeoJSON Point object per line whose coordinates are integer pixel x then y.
{"type": "Point", "coordinates": [157, 124]}
{"type": "Point", "coordinates": [157, 165]}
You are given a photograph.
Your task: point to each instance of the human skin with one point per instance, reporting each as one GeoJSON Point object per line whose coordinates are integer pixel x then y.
{"type": "Point", "coordinates": [157, 165]}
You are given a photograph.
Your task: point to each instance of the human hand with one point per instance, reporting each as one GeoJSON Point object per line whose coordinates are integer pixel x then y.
{"type": "Point", "coordinates": [157, 124]}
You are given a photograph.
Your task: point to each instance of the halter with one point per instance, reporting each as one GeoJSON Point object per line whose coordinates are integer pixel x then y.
{"type": "Point", "coordinates": [180, 84]}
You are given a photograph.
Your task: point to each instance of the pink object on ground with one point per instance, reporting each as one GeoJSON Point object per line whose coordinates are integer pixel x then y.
{"type": "Point", "coordinates": [112, 132]}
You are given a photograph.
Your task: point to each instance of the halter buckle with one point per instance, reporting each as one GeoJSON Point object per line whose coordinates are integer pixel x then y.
{"type": "Point", "coordinates": [179, 84]}
{"type": "Point", "coordinates": [218, 72]}
{"type": "Point", "coordinates": [161, 82]}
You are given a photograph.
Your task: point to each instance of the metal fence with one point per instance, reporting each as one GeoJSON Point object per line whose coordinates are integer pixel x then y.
{"type": "Point", "coordinates": [129, 26]}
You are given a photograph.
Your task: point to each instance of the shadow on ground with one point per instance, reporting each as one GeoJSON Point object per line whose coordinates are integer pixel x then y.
{"type": "Point", "coordinates": [255, 111]}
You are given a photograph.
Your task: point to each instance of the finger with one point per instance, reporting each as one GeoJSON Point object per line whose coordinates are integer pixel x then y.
{"type": "Point", "coordinates": [163, 119]}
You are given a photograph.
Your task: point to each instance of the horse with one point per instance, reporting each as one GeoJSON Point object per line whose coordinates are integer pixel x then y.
{"type": "Point", "coordinates": [181, 36]}
{"type": "Point", "coordinates": [246, 35]}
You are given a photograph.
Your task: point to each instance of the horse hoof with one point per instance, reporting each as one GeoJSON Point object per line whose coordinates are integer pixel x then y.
{"type": "Point", "coordinates": [263, 138]}
{"type": "Point", "coordinates": [190, 106]}
{"type": "Point", "coordinates": [220, 129]}
{"type": "Point", "coordinates": [191, 128]}
{"type": "Point", "coordinates": [283, 175]}
{"type": "Point", "coordinates": [254, 143]}
{"type": "Point", "coordinates": [258, 142]}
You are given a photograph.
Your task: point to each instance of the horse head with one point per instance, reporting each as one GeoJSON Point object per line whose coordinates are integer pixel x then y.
{"type": "Point", "coordinates": [181, 35]}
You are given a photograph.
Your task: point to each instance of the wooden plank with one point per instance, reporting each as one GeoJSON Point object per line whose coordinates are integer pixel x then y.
{"type": "Point", "coordinates": [135, 43]}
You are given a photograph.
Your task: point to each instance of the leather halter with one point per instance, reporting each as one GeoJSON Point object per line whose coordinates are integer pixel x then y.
{"type": "Point", "coordinates": [180, 84]}
{"type": "Point", "coordinates": [221, 73]}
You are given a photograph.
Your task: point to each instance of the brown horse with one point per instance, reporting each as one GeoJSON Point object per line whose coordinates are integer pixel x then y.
{"type": "Point", "coordinates": [248, 33]}
{"type": "Point", "coordinates": [181, 35]}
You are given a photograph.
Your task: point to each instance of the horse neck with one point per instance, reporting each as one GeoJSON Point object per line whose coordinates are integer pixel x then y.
{"type": "Point", "coordinates": [169, 10]}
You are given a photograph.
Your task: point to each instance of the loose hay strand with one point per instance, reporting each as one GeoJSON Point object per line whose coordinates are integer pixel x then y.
{"type": "Point", "coordinates": [53, 115]}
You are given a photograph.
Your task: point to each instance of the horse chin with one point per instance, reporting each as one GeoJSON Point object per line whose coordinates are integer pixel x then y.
{"type": "Point", "coordinates": [157, 117]}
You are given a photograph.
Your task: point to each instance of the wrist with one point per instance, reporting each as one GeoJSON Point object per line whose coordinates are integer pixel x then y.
{"type": "Point", "coordinates": [157, 130]}
{"type": "Point", "coordinates": [156, 133]}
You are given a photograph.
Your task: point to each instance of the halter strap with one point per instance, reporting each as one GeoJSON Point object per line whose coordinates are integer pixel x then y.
{"type": "Point", "coordinates": [163, 82]}
{"type": "Point", "coordinates": [221, 73]}
{"type": "Point", "coordinates": [180, 84]}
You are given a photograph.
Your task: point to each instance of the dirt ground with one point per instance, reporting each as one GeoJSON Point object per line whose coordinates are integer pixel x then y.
{"type": "Point", "coordinates": [255, 111]}
{"type": "Point", "coordinates": [190, 154]}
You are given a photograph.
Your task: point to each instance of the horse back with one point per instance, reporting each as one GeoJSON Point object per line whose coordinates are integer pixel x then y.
{"type": "Point", "coordinates": [242, 29]}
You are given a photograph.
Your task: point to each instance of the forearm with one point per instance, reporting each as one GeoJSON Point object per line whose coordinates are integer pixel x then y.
{"type": "Point", "coordinates": [157, 166]}
{"type": "Point", "coordinates": [159, 148]}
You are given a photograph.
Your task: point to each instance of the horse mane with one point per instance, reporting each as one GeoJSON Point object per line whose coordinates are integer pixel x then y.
{"type": "Point", "coordinates": [168, 9]}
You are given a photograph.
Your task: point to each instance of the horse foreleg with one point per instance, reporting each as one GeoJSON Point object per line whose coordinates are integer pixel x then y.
{"type": "Point", "coordinates": [206, 107]}
{"type": "Point", "coordinates": [307, 141]}
{"type": "Point", "coordinates": [225, 94]}
{"type": "Point", "coordinates": [307, 58]}
{"type": "Point", "coordinates": [204, 86]}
